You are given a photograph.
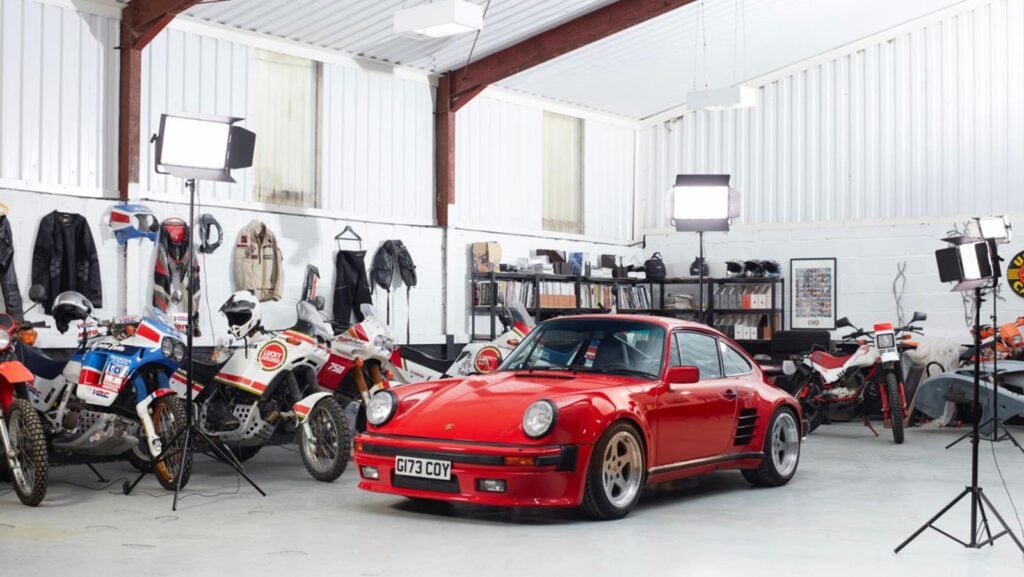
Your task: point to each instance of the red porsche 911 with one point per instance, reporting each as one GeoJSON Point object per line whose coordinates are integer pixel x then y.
{"type": "Point", "coordinates": [584, 413]}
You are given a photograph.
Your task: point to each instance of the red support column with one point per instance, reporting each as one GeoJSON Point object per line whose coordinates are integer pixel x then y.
{"type": "Point", "coordinates": [128, 122]}
{"type": "Point", "coordinates": [444, 151]}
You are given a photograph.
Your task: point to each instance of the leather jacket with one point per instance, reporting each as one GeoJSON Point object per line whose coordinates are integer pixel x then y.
{"type": "Point", "coordinates": [65, 259]}
{"type": "Point", "coordinates": [8, 277]}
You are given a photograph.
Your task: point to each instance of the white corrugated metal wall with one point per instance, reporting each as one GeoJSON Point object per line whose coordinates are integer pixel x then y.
{"type": "Point", "coordinates": [58, 88]}
{"type": "Point", "coordinates": [926, 122]}
{"type": "Point", "coordinates": [499, 163]}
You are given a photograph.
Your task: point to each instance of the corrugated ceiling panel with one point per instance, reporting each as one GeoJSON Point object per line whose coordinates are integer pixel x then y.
{"type": "Point", "coordinates": [58, 96]}
{"type": "Point", "coordinates": [927, 124]}
{"type": "Point", "coordinates": [364, 27]}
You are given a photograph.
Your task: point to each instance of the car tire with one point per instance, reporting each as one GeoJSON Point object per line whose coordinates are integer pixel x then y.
{"type": "Point", "coordinates": [616, 475]}
{"type": "Point", "coordinates": [781, 451]}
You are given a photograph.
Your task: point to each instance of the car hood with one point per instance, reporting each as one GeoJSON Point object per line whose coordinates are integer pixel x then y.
{"type": "Point", "coordinates": [490, 408]}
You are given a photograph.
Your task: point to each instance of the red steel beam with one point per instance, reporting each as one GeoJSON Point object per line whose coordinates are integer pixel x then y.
{"type": "Point", "coordinates": [141, 21]}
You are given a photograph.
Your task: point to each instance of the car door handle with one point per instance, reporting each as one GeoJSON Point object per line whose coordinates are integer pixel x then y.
{"type": "Point", "coordinates": [729, 394]}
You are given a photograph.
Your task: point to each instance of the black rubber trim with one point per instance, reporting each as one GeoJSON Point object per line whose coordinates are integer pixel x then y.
{"type": "Point", "coordinates": [703, 462]}
{"type": "Point", "coordinates": [565, 461]}
{"type": "Point", "coordinates": [436, 485]}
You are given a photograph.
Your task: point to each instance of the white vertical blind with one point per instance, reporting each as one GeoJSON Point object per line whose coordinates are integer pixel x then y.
{"type": "Point", "coordinates": [562, 165]}
{"type": "Point", "coordinates": [286, 123]}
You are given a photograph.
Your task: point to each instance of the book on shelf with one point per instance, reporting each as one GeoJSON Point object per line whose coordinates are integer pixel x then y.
{"type": "Point", "coordinates": [595, 296]}
{"type": "Point", "coordinates": [509, 290]}
{"type": "Point", "coordinates": [634, 297]}
{"type": "Point", "coordinates": [557, 294]}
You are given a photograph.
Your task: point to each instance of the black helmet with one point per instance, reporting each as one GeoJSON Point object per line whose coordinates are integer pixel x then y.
{"type": "Point", "coordinates": [754, 268]}
{"type": "Point", "coordinates": [734, 268]}
{"type": "Point", "coordinates": [696, 266]}
{"type": "Point", "coordinates": [70, 306]}
{"type": "Point", "coordinates": [772, 269]}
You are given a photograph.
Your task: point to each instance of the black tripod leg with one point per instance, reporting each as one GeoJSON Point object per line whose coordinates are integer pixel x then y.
{"type": "Point", "coordinates": [186, 453]}
{"type": "Point", "coordinates": [1006, 528]}
{"type": "Point", "coordinates": [1008, 435]}
{"type": "Point", "coordinates": [963, 437]}
{"type": "Point", "coordinates": [950, 505]}
{"type": "Point", "coordinates": [984, 523]}
{"type": "Point", "coordinates": [231, 460]}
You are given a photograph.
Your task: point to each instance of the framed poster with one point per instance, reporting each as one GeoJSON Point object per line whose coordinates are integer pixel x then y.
{"type": "Point", "coordinates": [813, 298]}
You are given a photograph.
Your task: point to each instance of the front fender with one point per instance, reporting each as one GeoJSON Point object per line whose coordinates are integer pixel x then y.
{"type": "Point", "coordinates": [15, 373]}
{"type": "Point", "coordinates": [584, 423]}
{"type": "Point", "coordinates": [303, 407]}
{"type": "Point", "coordinates": [142, 409]}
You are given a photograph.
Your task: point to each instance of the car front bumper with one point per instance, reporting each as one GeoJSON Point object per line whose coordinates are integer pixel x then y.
{"type": "Point", "coordinates": [555, 479]}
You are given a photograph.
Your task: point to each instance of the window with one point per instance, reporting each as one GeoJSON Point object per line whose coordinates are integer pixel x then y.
{"type": "Point", "coordinates": [286, 121]}
{"type": "Point", "coordinates": [674, 359]}
{"type": "Point", "coordinates": [563, 173]}
{"type": "Point", "coordinates": [700, 351]}
{"type": "Point", "coordinates": [734, 362]}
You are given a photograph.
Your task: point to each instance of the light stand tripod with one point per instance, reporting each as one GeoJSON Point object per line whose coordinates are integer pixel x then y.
{"type": "Point", "coordinates": [191, 432]}
{"type": "Point", "coordinates": [979, 502]}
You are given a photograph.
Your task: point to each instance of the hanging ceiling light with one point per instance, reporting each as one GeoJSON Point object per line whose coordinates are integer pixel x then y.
{"type": "Point", "coordinates": [440, 19]}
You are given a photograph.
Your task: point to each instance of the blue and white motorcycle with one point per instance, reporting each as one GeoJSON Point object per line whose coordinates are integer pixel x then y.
{"type": "Point", "coordinates": [114, 396]}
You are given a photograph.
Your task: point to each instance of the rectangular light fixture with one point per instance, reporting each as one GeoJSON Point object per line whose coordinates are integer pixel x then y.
{"type": "Point", "coordinates": [722, 98]}
{"type": "Point", "coordinates": [203, 147]}
{"type": "Point", "coordinates": [440, 19]}
{"type": "Point", "coordinates": [967, 262]}
{"type": "Point", "coordinates": [995, 228]}
{"type": "Point", "coordinates": [703, 202]}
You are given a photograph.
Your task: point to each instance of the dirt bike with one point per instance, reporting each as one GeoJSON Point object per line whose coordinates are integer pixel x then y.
{"type": "Point", "coordinates": [22, 439]}
{"type": "Point", "coordinates": [1004, 342]}
{"type": "Point", "coordinates": [269, 385]}
{"type": "Point", "coordinates": [113, 397]}
{"type": "Point", "coordinates": [858, 384]}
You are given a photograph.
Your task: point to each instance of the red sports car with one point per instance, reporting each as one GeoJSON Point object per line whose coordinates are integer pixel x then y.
{"type": "Point", "coordinates": [585, 412]}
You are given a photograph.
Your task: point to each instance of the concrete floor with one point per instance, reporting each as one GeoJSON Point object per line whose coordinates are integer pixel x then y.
{"type": "Point", "coordinates": [853, 500]}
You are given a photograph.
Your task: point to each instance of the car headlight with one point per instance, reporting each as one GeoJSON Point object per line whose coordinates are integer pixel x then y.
{"type": "Point", "coordinates": [5, 339]}
{"type": "Point", "coordinates": [539, 419]}
{"type": "Point", "coordinates": [886, 341]}
{"type": "Point", "coordinates": [383, 343]}
{"type": "Point", "coordinates": [381, 408]}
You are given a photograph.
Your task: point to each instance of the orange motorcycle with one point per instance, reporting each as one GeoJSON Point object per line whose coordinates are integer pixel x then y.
{"type": "Point", "coordinates": [22, 440]}
{"type": "Point", "coordinates": [1003, 342]}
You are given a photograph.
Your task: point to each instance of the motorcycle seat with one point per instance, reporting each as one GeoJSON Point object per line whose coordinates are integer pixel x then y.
{"type": "Point", "coordinates": [828, 361]}
{"type": "Point", "coordinates": [203, 371]}
{"type": "Point", "coordinates": [40, 364]}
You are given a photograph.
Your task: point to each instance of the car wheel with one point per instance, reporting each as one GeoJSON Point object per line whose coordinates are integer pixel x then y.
{"type": "Point", "coordinates": [616, 474]}
{"type": "Point", "coordinates": [781, 452]}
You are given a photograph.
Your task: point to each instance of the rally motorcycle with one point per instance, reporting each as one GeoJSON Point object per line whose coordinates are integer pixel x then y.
{"type": "Point", "coordinates": [359, 355]}
{"type": "Point", "coordinates": [265, 392]}
{"type": "Point", "coordinates": [113, 397]}
{"type": "Point", "coordinates": [858, 384]}
{"type": "Point", "coordinates": [998, 343]}
{"type": "Point", "coordinates": [22, 439]}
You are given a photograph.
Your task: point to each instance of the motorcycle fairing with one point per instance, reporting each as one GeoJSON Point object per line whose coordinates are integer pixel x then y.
{"type": "Point", "coordinates": [255, 374]}
{"type": "Point", "coordinates": [865, 356]}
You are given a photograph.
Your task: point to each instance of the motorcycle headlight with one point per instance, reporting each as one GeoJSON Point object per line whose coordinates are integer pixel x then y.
{"type": "Point", "coordinates": [179, 352]}
{"type": "Point", "coordinates": [173, 349]}
{"type": "Point", "coordinates": [167, 347]}
{"type": "Point", "coordinates": [383, 343]}
{"type": "Point", "coordinates": [886, 340]}
{"type": "Point", "coordinates": [381, 408]}
{"type": "Point", "coordinates": [539, 419]}
{"type": "Point", "coordinates": [5, 339]}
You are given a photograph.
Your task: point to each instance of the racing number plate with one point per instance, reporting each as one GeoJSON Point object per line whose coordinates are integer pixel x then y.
{"type": "Point", "coordinates": [115, 373]}
{"type": "Point", "coordinates": [423, 468]}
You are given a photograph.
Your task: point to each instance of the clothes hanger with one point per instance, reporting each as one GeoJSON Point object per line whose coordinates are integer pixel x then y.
{"type": "Point", "coordinates": [355, 236]}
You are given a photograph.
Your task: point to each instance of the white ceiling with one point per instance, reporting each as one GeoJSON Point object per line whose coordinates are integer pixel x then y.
{"type": "Point", "coordinates": [636, 73]}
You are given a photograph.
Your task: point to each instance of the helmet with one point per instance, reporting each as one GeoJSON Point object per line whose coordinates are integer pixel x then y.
{"type": "Point", "coordinates": [130, 221]}
{"type": "Point", "coordinates": [772, 269]}
{"type": "Point", "coordinates": [754, 268]}
{"type": "Point", "coordinates": [70, 306]}
{"type": "Point", "coordinates": [242, 310]}
{"type": "Point", "coordinates": [696, 266]}
{"type": "Point", "coordinates": [734, 268]}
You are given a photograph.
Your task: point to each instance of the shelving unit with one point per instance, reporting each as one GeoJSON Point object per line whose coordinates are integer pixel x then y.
{"type": "Point", "coordinates": [572, 292]}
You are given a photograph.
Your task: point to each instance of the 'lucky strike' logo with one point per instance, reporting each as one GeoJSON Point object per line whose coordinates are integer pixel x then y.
{"type": "Point", "coordinates": [272, 356]}
{"type": "Point", "coordinates": [487, 360]}
{"type": "Point", "coordinates": [1015, 274]}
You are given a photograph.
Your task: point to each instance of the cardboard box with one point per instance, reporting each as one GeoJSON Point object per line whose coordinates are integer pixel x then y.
{"type": "Point", "coordinates": [486, 256]}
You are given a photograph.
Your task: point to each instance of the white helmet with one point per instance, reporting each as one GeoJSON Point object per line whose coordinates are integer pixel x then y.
{"type": "Point", "coordinates": [242, 310]}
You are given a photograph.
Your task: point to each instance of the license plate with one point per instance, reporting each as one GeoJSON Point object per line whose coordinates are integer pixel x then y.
{"type": "Point", "coordinates": [423, 468]}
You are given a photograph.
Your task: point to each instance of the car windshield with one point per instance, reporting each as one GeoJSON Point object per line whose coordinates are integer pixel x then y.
{"type": "Point", "coordinates": [609, 346]}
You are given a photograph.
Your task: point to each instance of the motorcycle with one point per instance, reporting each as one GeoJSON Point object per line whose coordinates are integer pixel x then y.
{"type": "Point", "coordinates": [362, 354]}
{"type": "Point", "coordinates": [113, 397]}
{"type": "Point", "coordinates": [22, 439]}
{"type": "Point", "coordinates": [1004, 342]}
{"type": "Point", "coordinates": [268, 389]}
{"type": "Point", "coordinates": [858, 384]}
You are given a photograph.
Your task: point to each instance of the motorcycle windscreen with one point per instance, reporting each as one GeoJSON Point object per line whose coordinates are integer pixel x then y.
{"type": "Point", "coordinates": [103, 377]}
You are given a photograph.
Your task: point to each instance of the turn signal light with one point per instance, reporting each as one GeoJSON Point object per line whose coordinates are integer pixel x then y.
{"type": "Point", "coordinates": [370, 472]}
{"type": "Point", "coordinates": [520, 461]}
{"type": "Point", "coordinates": [293, 341]}
{"type": "Point", "coordinates": [29, 337]}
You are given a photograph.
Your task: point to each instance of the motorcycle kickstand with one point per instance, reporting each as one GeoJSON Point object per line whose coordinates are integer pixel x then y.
{"type": "Point", "coordinates": [99, 476]}
{"type": "Point", "coordinates": [867, 423]}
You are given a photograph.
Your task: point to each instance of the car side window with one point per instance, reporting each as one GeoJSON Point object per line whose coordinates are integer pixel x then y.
{"type": "Point", "coordinates": [734, 362]}
{"type": "Point", "coordinates": [700, 351]}
{"type": "Point", "coordinates": [673, 351]}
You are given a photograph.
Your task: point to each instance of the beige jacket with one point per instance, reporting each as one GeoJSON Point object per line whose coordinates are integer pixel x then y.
{"type": "Point", "coordinates": [258, 264]}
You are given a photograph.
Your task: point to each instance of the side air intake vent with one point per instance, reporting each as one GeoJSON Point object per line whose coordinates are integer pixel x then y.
{"type": "Point", "coordinates": [745, 427]}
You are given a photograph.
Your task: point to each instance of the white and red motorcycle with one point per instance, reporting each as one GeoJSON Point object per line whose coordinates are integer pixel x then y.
{"type": "Point", "coordinates": [265, 392]}
{"type": "Point", "coordinates": [858, 384]}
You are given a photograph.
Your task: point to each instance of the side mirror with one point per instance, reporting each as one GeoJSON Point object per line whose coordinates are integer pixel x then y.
{"type": "Point", "coordinates": [919, 316]}
{"type": "Point", "coordinates": [319, 303]}
{"type": "Point", "coordinates": [788, 367]}
{"type": "Point", "coordinates": [683, 375]}
{"type": "Point", "coordinates": [843, 322]}
{"type": "Point", "coordinates": [37, 293]}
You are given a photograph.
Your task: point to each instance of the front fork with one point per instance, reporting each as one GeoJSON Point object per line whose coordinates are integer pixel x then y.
{"type": "Point", "coordinates": [378, 381]}
{"type": "Point", "coordinates": [883, 390]}
{"type": "Point", "coordinates": [12, 456]}
{"type": "Point", "coordinates": [142, 408]}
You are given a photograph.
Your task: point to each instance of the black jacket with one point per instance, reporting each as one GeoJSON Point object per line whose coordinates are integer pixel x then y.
{"type": "Point", "coordinates": [8, 278]}
{"type": "Point", "coordinates": [65, 259]}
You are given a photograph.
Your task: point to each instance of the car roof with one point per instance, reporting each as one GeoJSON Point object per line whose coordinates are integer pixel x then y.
{"type": "Point", "coordinates": [667, 322]}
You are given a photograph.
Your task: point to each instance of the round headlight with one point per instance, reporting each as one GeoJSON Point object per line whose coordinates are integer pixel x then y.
{"type": "Point", "coordinates": [5, 339]}
{"type": "Point", "coordinates": [383, 343]}
{"type": "Point", "coordinates": [167, 347]}
{"type": "Point", "coordinates": [381, 408]}
{"type": "Point", "coordinates": [539, 419]}
{"type": "Point", "coordinates": [179, 352]}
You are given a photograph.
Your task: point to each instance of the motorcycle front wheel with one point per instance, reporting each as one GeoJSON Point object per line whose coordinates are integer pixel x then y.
{"type": "Point", "coordinates": [892, 391]}
{"type": "Point", "coordinates": [29, 444]}
{"type": "Point", "coordinates": [168, 415]}
{"type": "Point", "coordinates": [327, 445]}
